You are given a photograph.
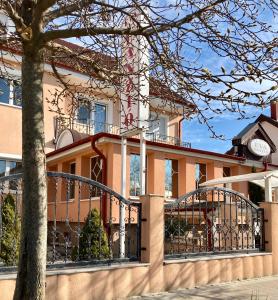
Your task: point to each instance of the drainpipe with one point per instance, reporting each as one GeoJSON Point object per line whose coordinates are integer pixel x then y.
{"type": "Point", "coordinates": [179, 129]}
{"type": "Point", "coordinates": [104, 176]}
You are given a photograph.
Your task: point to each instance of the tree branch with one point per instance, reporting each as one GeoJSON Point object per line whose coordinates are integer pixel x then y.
{"type": "Point", "coordinates": [66, 10]}
{"type": "Point", "coordinates": [41, 7]}
{"type": "Point", "coordinates": [13, 14]}
{"type": "Point", "coordinates": [144, 31]}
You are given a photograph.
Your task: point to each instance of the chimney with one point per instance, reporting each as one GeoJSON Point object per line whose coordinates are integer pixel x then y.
{"type": "Point", "coordinates": [274, 109]}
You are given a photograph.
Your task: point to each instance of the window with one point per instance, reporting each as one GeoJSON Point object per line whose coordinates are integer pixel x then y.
{"type": "Point", "coordinates": [157, 124]}
{"type": "Point", "coordinates": [2, 168]}
{"type": "Point", "coordinates": [15, 167]}
{"type": "Point", "coordinates": [96, 173]}
{"type": "Point", "coordinates": [83, 114]}
{"type": "Point", "coordinates": [100, 117]}
{"type": "Point", "coordinates": [4, 91]}
{"type": "Point", "coordinates": [10, 92]}
{"type": "Point", "coordinates": [171, 178]}
{"type": "Point", "coordinates": [17, 95]}
{"type": "Point", "coordinates": [72, 182]}
{"type": "Point", "coordinates": [226, 172]}
{"type": "Point", "coordinates": [134, 189]}
{"type": "Point", "coordinates": [10, 168]}
{"type": "Point", "coordinates": [153, 123]}
{"type": "Point", "coordinates": [200, 174]}
{"type": "Point", "coordinates": [162, 126]}
{"type": "Point", "coordinates": [90, 113]}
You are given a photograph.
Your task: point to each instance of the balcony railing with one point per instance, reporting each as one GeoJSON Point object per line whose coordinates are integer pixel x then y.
{"type": "Point", "coordinates": [93, 127]}
{"type": "Point", "coordinates": [85, 127]}
{"type": "Point", "coordinates": [170, 140]}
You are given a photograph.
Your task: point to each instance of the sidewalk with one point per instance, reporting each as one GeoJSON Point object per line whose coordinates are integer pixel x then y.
{"type": "Point", "coordinates": [254, 289]}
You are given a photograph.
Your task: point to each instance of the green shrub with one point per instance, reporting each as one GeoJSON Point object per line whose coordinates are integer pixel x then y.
{"type": "Point", "coordinates": [90, 245]}
{"type": "Point", "coordinates": [175, 227]}
{"type": "Point", "coordinates": [10, 238]}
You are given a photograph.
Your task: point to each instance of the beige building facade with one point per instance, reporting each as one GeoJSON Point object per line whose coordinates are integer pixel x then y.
{"type": "Point", "coordinates": [173, 166]}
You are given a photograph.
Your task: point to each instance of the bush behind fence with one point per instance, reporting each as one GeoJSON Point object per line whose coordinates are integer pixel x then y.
{"type": "Point", "coordinates": [83, 222]}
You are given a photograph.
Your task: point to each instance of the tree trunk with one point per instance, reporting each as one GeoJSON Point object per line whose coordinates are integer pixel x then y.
{"type": "Point", "coordinates": [32, 261]}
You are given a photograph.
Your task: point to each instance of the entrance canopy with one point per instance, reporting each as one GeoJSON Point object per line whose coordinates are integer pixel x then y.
{"type": "Point", "coordinates": [266, 180]}
{"type": "Point", "coordinates": [257, 178]}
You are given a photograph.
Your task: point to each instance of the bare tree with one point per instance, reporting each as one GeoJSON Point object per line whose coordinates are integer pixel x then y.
{"type": "Point", "coordinates": [182, 36]}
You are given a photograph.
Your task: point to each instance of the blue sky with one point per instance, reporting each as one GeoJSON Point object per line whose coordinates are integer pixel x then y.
{"type": "Point", "coordinates": [226, 124]}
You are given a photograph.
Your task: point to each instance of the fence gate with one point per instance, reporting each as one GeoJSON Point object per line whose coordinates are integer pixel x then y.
{"type": "Point", "coordinates": [212, 220]}
{"type": "Point", "coordinates": [83, 221]}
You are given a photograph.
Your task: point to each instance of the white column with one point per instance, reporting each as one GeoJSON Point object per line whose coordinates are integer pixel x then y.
{"type": "Point", "coordinates": [229, 185]}
{"type": "Point", "coordinates": [143, 162]}
{"type": "Point", "coordinates": [268, 189]}
{"type": "Point", "coordinates": [123, 193]}
{"type": "Point", "coordinates": [123, 167]}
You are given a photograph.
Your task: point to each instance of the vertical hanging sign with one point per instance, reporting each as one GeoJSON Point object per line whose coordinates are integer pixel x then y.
{"type": "Point", "coordinates": [135, 79]}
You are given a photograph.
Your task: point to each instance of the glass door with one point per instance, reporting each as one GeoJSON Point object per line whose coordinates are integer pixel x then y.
{"type": "Point", "coordinates": [100, 118]}
{"type": "Point", "coordinates": [83, 114]}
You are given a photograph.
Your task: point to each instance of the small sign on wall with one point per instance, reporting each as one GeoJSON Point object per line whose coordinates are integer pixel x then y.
{"type": "Point", "coordinates": [259, 147]}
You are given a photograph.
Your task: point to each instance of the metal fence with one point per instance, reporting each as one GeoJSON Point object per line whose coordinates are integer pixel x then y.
{"type": "Point", "coordinates": [212, 220]}
{"type": "Point", "coordinates": [83, 222]}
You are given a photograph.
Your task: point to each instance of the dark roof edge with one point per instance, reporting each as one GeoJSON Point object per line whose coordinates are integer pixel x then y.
{"type": "Point", "coordinates": [263, 117]}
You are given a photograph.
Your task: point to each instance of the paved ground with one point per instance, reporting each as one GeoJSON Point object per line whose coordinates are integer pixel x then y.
{"type": "Point", "coordinates": [256, 289]}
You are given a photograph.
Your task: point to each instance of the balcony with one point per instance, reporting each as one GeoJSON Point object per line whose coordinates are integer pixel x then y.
{"type": "Point", "coordinates": [93, 127]}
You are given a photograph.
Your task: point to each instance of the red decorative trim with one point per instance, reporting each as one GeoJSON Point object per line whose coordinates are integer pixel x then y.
{"type": "Point", "coordinates": [134, 140]}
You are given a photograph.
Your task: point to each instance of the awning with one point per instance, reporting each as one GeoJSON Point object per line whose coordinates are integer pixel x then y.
{"type": "Point", "coordinates": [257, 178]}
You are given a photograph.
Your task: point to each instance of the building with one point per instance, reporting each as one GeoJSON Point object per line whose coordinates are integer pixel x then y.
{"type": "Point", "coordinates": [258, 141]}
{"type": "Point", "coordinates": [88, 144]}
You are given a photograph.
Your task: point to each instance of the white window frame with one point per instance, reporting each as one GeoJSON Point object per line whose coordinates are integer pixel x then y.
{"type": "Point", "coordinates": [11, 94]}
{"type": "Point", "coordinates": [166, 118]}
{"type": "Point", "coordinates": [106, 111]}
{"type": "Point", "coordinates": [8, 164]}
{"type": "Point", "coordinates": [7, 172]}
{"type": "Point", "coordinates": [107, 103]}
{"type": "Point", "coordinates": [158, 130]}
{"type": "Point", "coordinates": [133, 197]}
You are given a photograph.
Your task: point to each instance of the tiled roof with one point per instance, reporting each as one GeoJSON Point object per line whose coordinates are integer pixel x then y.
{"type": "Point", "coordinates": [157, 88]}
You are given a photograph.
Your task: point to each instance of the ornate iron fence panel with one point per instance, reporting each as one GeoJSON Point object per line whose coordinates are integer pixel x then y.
{"type": "Point", "coordinates": [83, 222]}
{"type": "Point", "coordinates": [212, 220]}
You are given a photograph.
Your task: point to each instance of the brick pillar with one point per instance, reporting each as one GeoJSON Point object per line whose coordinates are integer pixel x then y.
{"type": "Point", "coordinates": [241, 187]}
{"type": "Point", "coordinates": [271, 230]}
{"type": "Point", "coordinates": [214, 170]}
{"type": "Point", "coordinates": [182, 177]}
{"type": "Point", "coordinates": [153, 239]}
{"type": "Point", "coordinates": [187, 175]}
{"type": "Point", "coordinates": [156, 173]}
